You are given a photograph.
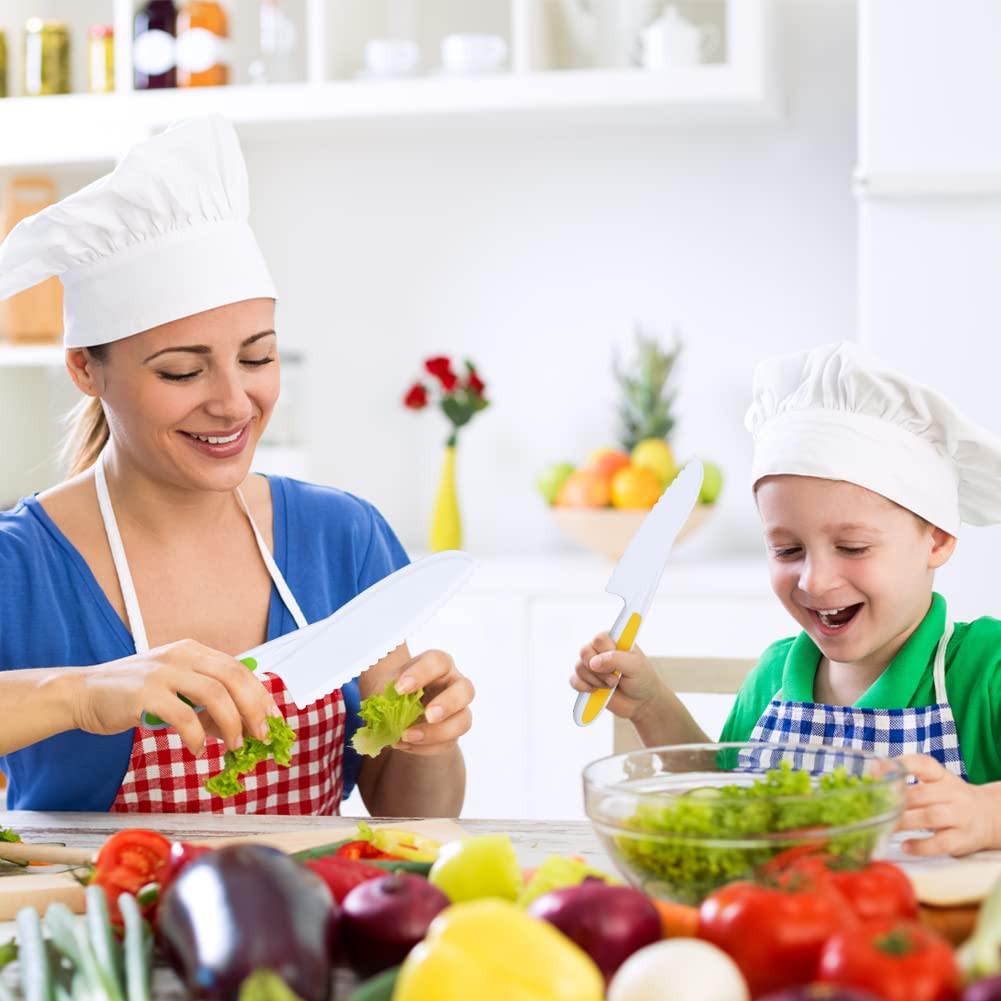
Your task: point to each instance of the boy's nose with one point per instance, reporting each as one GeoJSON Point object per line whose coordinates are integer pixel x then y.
{"type": "Point", "coordinates": [816, 578]}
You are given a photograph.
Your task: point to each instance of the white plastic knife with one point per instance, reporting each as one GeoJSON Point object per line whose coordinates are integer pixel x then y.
{"type": "Point", "coordinates": [324, 655]}
{"type": "Point", "coordinates": [638, 572]}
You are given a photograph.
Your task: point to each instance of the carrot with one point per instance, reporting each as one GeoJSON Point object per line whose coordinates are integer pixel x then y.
{"type": "Point", "coordinates": [677, 920]}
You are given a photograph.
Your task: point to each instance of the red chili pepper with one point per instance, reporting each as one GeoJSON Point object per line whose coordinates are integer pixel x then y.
{"type": "Point", "coordinates": [342, 874]}
{"type": "Point", "coordinates": [364, 850]}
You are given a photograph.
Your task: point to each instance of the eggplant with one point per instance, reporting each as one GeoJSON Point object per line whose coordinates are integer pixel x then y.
{"type": "Point", "coordinates": [244, 908]}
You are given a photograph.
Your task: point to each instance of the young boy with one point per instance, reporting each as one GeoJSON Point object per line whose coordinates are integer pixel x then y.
{"type": "Point", "coordinates": [861, 478]}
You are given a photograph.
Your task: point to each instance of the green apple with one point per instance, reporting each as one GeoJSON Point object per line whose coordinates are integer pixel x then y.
{"type": "Point", "coordinates": [482, 865]}
{"type": "Point", "coordinates": [552, 478]}
{"type": "Point", "coordinates": [712, 482]}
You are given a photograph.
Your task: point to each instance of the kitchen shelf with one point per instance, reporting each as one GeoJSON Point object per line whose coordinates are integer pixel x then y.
{"type": "Point", "coordinates": [98, 128]}
{"type": "Point", "coordinates": [30, 355]}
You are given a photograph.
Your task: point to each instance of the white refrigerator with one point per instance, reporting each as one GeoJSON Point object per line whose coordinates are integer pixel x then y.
{"type": "Point", "coordinates": [928, 185]}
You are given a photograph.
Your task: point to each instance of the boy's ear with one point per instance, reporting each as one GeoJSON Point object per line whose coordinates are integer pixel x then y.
{"type": "Point", "coordinates": [943, 546]}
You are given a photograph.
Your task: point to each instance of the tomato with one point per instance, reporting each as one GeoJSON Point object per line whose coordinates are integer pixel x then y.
{"type": "Point", "coordinates": [363, 850]}
{"type": "Point", "coordinates": [127, 862]}
{"type": "Point", "coordinates": [775, 934]}
{"type": "Point", "coordinates": [896, 960]}
{"type": "Point", "coordinates": [877, 891]}
{"type": "Point", "coordinates": [342, 874]}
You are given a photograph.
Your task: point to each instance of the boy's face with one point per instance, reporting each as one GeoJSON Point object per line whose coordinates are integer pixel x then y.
{"type": "Point", "coordinates": [851, 567]}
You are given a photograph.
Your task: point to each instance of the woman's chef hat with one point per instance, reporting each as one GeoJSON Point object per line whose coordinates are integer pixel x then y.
{"type": "Point", "coordinates": [839, 413]}
{"type": "Point", "coordinates": [164, 235]}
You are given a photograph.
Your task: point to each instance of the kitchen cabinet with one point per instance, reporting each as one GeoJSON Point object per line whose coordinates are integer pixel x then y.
{"type": "Point", "coordinates": [516, 630]}
{"type": "Point", "coordinates": [739, 84]}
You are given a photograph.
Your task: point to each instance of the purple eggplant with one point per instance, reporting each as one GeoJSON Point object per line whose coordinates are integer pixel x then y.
{"type": "Point", "coordinates": [245, 908]}
{"type": "Point", "coordinates": [984, 990]}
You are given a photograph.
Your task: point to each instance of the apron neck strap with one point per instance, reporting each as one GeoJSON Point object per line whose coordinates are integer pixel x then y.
{"type": "Point", "coordinates": [938, 670]}
{"type": "Point", "coordinates": [136, 624]}
{"type": "Point", "coordinates": [125, 582]}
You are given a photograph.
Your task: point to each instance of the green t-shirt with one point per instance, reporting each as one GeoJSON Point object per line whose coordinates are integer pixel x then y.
{"type": "Point", "coordinates": [972, 681]}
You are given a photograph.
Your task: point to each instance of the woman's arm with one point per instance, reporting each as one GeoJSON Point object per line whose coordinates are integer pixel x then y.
{"type": "Point", "coordinates": [424, 775]}
{"type": "Point", "coordinates": [38, 703]}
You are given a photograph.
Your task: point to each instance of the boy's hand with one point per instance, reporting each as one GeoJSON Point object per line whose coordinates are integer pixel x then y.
{"type": "Point", "coordinates": [638, 687]}
{"type": "Point", "coordinates": [964, 818]}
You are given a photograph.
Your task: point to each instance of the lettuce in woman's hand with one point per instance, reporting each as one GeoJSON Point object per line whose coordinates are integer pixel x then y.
{"type": "Point", "coordinates": [386, 716]}
{"type": "Point", "coordinates": [235, 763]}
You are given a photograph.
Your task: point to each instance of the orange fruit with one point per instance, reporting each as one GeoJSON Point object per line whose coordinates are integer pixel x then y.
{"type": "Point", "coordinates": [635, 487]}
{"type": "Point", "coordinates": [607, 462]}
{"type": "Point", "coordinates": [585, 488]}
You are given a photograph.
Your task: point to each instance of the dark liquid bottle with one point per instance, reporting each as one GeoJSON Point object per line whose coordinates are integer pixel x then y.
{"type": "Point", "coordinates": [153, 47]}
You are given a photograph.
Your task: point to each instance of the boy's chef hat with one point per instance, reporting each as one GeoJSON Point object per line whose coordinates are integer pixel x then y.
{"type": "Point", "coordinates": [839, 413]}
{"type": "Point", "coordinates": [164, 235]}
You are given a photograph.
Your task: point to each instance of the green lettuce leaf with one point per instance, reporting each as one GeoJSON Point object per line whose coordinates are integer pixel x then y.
{"type": "Point", "coordinates": [386, 716]}
{"type": "Point", "coordinates": [245, 759]}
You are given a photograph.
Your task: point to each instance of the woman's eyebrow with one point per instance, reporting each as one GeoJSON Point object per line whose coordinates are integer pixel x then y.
{"type": "Point", "coordinates": [204, 349]}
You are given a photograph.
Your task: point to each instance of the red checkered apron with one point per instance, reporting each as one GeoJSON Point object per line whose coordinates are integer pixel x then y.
{"type": "Point", "coordinates": [164, 777]}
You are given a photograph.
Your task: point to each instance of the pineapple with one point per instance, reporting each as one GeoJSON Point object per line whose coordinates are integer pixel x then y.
{"type": "Point", "coordinates": [645, 405]}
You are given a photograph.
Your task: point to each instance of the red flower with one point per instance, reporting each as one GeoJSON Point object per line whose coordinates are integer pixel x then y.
{"type": "Point", "coordinates": [417, 397]}
{"type": "Point", "coordinates": [475, 383]}
{"type": "Point", "coordinates": [441, 368]}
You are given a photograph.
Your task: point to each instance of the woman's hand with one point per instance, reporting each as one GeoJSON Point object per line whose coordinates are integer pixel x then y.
{"type": "Point", "coordinates": [964, 818]}
{"type": "Point", "coordinates": [447, 695]}
{"type": "Point", "coordinates": [109, 698]}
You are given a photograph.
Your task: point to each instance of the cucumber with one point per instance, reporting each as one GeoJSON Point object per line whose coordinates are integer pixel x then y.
{"type": "Point", "coordinates": [378, 988]}
{"type": "Point", "coordinates": [321, 851]}
{"type": "Point", "coordinates": [400, 865]}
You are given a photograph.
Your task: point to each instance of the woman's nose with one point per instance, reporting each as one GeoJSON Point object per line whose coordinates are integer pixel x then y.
{"type": "Point", "coordinates": [228, 397]}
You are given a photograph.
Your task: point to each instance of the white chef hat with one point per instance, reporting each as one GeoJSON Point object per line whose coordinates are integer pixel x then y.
{"type": "Point", "coordinates": [163, 236]}
{"type": "Point", "coordinates": [839, 413]}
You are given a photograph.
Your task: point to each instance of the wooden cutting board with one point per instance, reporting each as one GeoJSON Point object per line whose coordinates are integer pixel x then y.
{"type": "Point", "coordinates": [40, 888]}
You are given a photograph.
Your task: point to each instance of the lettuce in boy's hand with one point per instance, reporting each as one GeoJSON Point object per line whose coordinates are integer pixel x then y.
{"type": "Point", "coordinates": [235, 763]}
{"type": "Point", "coordinates": [386, 716]}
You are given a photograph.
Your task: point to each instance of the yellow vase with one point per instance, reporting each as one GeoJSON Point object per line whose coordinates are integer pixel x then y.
{"type": "Point", "coordinates": [446, 525]}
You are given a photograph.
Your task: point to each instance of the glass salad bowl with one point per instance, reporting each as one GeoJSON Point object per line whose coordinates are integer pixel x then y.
{"type": "Point", "coordinates": [678, 822]}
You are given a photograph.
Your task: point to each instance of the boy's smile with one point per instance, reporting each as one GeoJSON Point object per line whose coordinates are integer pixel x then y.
{"type": "Point", "coordinates": [854, 569]}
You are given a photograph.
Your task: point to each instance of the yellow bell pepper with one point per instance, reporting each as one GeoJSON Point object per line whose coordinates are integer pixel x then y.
{"type": "Point", "coordinates": [402, 844]}
{"type": "Point", "coordinates": [493, 949]}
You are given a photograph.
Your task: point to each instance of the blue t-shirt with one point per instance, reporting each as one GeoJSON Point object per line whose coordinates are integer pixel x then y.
{"type": "Point", "coordinates": [328, 544]}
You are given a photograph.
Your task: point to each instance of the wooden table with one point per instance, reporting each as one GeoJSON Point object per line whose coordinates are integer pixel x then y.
{"type": "Point", "coordinates": [533, 840]}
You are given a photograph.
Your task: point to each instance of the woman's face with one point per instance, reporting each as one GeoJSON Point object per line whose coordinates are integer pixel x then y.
{"type": "Point", "coordinates": [190, 399]}
{"type": "Point", "coordinates": [851, 567]}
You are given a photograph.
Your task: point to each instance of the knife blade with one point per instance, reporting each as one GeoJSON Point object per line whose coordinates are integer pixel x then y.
{"type": "Point", "coordinates": [326, 654]}
{"type": "Point", "coordinates": [638, 572]}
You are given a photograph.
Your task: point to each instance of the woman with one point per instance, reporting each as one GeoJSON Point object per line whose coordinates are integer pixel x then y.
{"type": "Point", "coordinates": [161, 557]}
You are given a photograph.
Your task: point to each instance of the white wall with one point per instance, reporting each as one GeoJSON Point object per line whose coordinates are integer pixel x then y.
{"type": "Point", "coordinates": [533, 251]}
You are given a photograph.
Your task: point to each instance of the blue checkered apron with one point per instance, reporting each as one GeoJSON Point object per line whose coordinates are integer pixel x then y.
{"type": "Point", "coordinates": [888, 732]}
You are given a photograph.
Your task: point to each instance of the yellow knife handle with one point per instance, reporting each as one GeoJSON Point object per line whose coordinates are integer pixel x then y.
{"type": "Point", "coordinates": [597, 700]}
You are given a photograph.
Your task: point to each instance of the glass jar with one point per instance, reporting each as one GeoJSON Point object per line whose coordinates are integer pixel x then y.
{"type": "Point", "coordinates": [46, 57]}
{"type": "Point", "coordinates": [101, 59]}
{"type": "Point", "coordinates": [3, 64]}
{"type": "Point", "coordinates": [203, 51]}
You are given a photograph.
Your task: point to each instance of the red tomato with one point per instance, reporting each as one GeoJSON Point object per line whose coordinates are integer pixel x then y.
{"type": "Point", "coordinates": [342, 874]}
{"type": "Point", "coordinates": [898, 961]}
{"type": "Point", "coordinates": [774, 934]}
{"type": "Point", "coordinates": [877, 891]}
{"type": "Point", "coordinates": [127, 861]}
{"type": "Point", "coordinates": [363, 850]}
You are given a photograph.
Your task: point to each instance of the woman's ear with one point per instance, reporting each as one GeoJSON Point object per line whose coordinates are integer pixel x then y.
{"type": "Point", "coordinates": [85, 371]}
{"type": "Point", "coordinates": [943, 546]}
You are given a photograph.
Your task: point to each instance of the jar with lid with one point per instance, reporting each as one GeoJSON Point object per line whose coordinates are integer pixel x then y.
{"type": "Point", "coordinates": [154, 56]}
{"type": "Point", "coordinates": [46, 57]}
{"type": "Point", "coordinates": [101, 59]}
{"type": "Point", "coordinates": [203, 50]}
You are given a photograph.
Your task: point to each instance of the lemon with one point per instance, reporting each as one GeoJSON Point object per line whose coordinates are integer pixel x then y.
{"type": "Point", "coordinates": [655, 454]}
{"type": "Point", "coordinates": [635, 487]}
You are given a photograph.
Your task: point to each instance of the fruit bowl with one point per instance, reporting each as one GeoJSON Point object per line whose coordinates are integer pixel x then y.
{"type": "Point", "coordinates": [608, 530]}
{"type": "Point", "coordinates": [679, 822]}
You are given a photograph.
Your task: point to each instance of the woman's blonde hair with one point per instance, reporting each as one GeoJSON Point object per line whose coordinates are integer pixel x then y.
{"type": "Point", "coordinates": [88, 428]}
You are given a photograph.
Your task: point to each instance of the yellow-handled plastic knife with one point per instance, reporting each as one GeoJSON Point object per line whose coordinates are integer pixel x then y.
{"type": "Point", "coordinates": [638, 572]}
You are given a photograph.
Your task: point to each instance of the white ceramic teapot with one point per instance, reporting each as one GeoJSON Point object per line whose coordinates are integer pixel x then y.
{"type": "Point", "coordinates": [672, 41]}
{"type": "Point", "coordinates": [605, 32]}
